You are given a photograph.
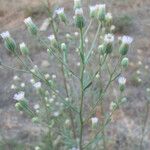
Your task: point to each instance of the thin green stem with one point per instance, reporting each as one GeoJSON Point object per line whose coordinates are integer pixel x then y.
{"type": "Point", "coordinates": [81, 88]}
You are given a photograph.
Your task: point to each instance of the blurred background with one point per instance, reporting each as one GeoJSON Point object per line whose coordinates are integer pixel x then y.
{"type": "Point", "coordinates": [131, 17]}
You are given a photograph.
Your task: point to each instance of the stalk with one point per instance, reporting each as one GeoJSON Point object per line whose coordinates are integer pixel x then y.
{"type": "Point", "coordinates": [81, 90]}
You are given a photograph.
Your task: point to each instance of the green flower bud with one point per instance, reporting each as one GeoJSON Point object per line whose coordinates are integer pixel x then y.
{"type": "Point", "coordinates": [79, 19]}
{"type": "Point", "coordinates": [108, 43]}
{"type": "Point", "coordinates": [102, 49]}
{"type": "Point", "coordinates": [61, 14]}
{"type": "Point", "coordinates": [101, 12]}
{"type": "Point", "coordinates": [32, 28]}
{"type": "Point", "coordinates": [35, 120]}
{"type": "Point", "coordinates": [53, 41]}
{"type": "Point", "coordinates": [125, 62]}
{"type": "Point", "coordinates": [24, 49]}
{"type": "Point", "coordinates": [125, 42]}
{"type": "Point", "coordinates": [8, 41]}
{"type": "Point", "coordinates": [77, 4]}
{"type": "Point", "coordinates": [18, 106]}
{"type": "Point", "coordinates": [63, 47]}
{"type": "Point", "coordinates": [93, 11]}
{"type": "Point", "coordinates": [108, 18]}
{"type": "Point", "coordinates": [122, 82]}
{"type": "Point", "coordinates": [23, 104]}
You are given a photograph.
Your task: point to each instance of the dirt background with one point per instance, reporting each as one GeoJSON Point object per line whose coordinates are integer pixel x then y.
{"type": "Point", "coordinates": [16, 129]}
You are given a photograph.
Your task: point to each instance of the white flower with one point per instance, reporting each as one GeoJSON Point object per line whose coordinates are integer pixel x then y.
{"type": "Point", "coordinates": [93, 8]}
{"type": "Point", "coordinates": [127, 39]}
{"type": "Point", "coordinates": [13, 87]}
{"type": "Point", "coordinates": [76, 33]}
{"type": "Point", "coordinates": [79, 11]}
{"type": "Point", "coordinates": [100, 6]}
{"type": "Point", "coordinates": [36, 106]}
{"type": "Point", "coordinates": [94, 120]}
{"type": "Point", "coordinates": [15, 78]}
{"type": "Point", "coordinates": [19, 96]}
{"type": "Point", "coordinates": [53, 76]}
{"type": "Point", "coordinates": [51, 100]}
{"type": "Point", "coordinates": [32, 81]}
{"type": "Point", "coordinates": [109, 16]}
{"type": "Point", "coordinates": [59, 11]}
{"type": "Point", "coordinates": [86, 40]}
{"type": "Point", "coordinates": [47, 76]}
{"type": "Point", "coordinates": [5, 35]}
{"type": "Point", "coordinates": [78, 63]}
{"type": "Point", "coordinates": [22, 45]}
{"type": "Point", "coordinates": [122, 80]}
{"type": "Point", "coordinates": [28, 20]}
{"type": "Point", "coordinates": [22, 85]}
{"type": "Point", "coordinates": [37, 85]}
{"type": "Point", "coordinates": [51, 37]}
{"type": "Point", "coordinates": [37, 148]}
{"type": "Point", "coordinates": [67, 121]}
{"type": "Point", "coordinates": [109, 38]}
{"type": "Point", "coordinates": [56, 114]}
{"type": "Point", "coordinates": [112, 28]}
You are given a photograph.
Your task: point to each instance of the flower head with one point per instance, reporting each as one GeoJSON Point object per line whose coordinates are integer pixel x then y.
{"type": "Point", "coordinates": [59, 11]}
{"type": "Point", "coordinates": [109, 38]}
{"type": "Point", "coordinates": [122, 80]}
{"type": "Point", "coordinates": [94, 120]}
{"type": "Point", "coordinates": [19, 96]}
{"type": "Point", "coordinates": [5, 35]}
{"type": "Point", "coordinates": [37, 85]}
{"type": "Point", "coordinates": [127, 39]}
{"type": "Point", "coordinates": [51, 37]}
{"type": "Point", "coordinates": [28, 20]}
{"type": "Point", "coordinates": [79, 11]}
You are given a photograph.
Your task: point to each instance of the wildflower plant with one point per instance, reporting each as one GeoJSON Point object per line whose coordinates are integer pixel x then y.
{"type": "Point", "coordinates": [70, 116]}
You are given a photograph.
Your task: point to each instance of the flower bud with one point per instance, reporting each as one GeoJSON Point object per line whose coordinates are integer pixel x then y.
{"type": "Point", "coordinates": [108, 18]}
{"type": "Point", "coordinates": [63, 47]}
{"type": "Point", "coordinates": [122, 82]}
{"type": "Point", "coordinates": [53, 40]}
{"type": "Point", "coordinates": [79, 19]}
{"type": "Point", "coordinates": [32, 28]}
{"type": "Point", "coordinates": [35, 119]}
{"type": "Point", "coordinates": [94, 121]}
{"type": "Point", "coordinates": [61, 14]}
{"type": "Point", "coordinates": [102, 49]}
{"type": "Point", "coordinates": [112, 29]}
{"type": "Point", "coordinates": [125, 62]}
{"type": "Point", "coordinates": [108, 42]}
{"type": "Point", "coordinates": [125, 43]}
{"type": "Point", "coordinates": [77, 4]}
{"type": "Point", "coordinates": [8, 41]}
{"type": "Point", "coordinates": [93, 11]}
{"type": "Point", "coordinates": [18, 106]}
{"type": "Point", "coordinates": [24, 49]}
{"type": "Point", "coordinates": [101, 12]}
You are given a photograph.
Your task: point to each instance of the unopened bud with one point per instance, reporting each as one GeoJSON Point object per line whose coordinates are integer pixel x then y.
{"type": "Point", "coordinates": [79, 19]}
{"type": "Point", "coordinates": [125, 43]}
{"type": "Point", "coordinates": [101, 12]}
{"type": "Point", "coordinates": [125, 62]}
{"type": "Point", "coordinates": [61, 14]}
{"type": "Point", "coordinates": [77, 4]}
{"type": "Point", "coordinates": [32, 28]}
{"type": "Point", "coordinates": [8, 41]}
{"type": "Point", "coordinates": [24, 49]}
